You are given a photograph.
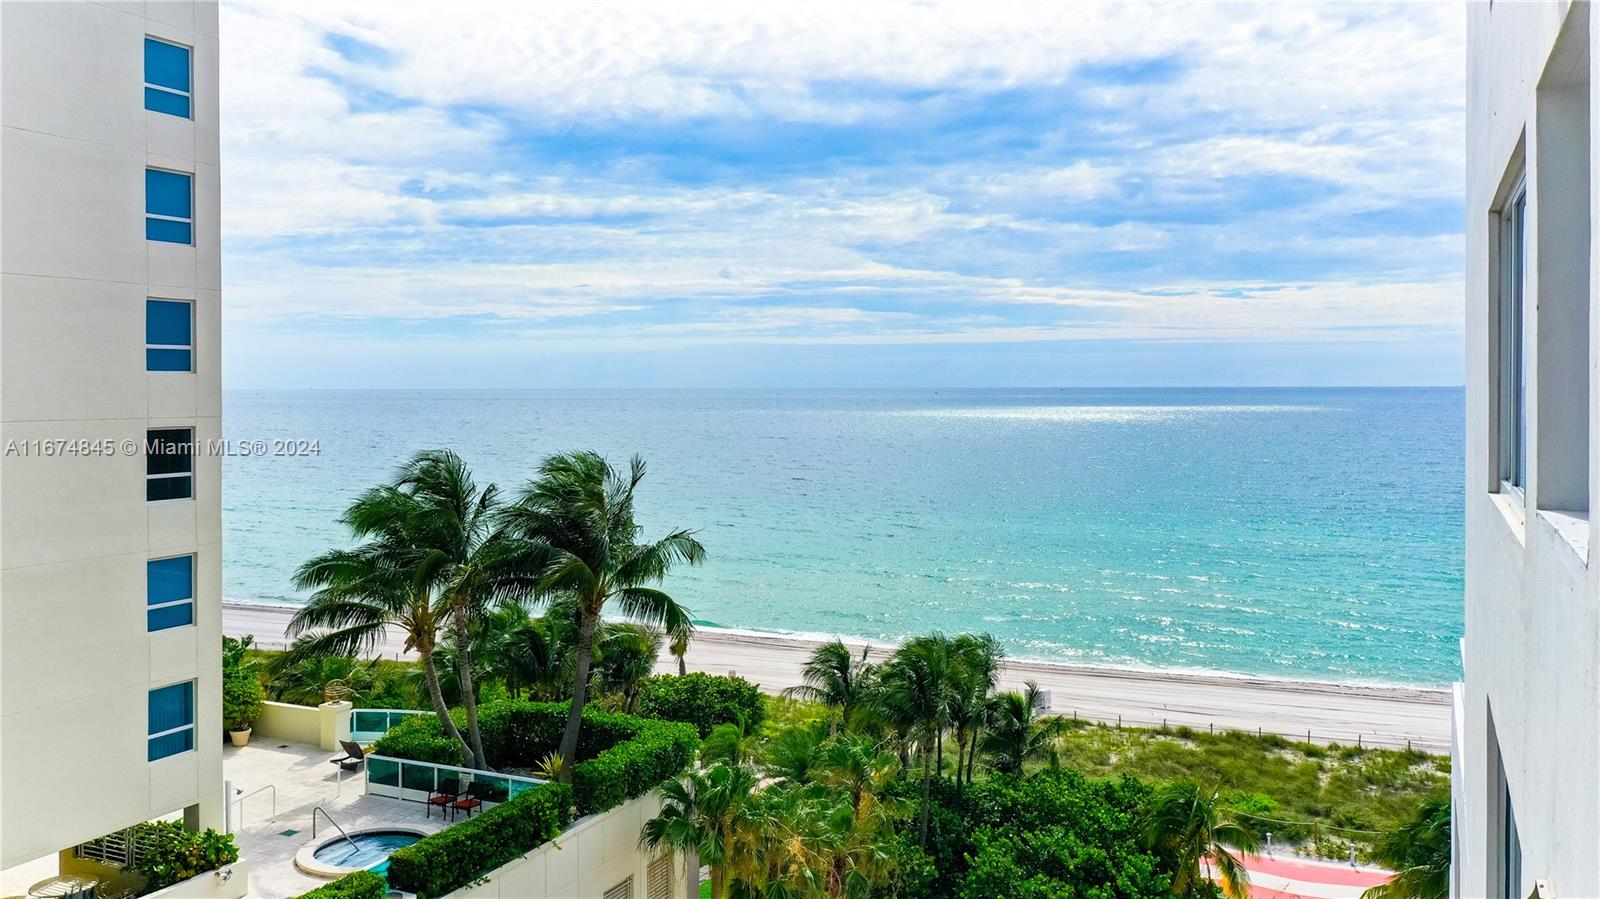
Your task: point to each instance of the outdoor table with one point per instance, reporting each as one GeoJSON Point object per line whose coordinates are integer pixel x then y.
{"type": "Point", "coordinates": [64, 888]}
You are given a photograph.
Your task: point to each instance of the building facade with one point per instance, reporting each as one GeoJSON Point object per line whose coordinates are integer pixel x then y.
{"type": "Point", "coordinates": [110, 379]}
{"type": "Point", "coordinates": [1526, 773]}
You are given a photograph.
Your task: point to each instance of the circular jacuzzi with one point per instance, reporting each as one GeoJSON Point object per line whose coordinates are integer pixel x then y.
{"type": "Point", "coordinates": [362, 850]}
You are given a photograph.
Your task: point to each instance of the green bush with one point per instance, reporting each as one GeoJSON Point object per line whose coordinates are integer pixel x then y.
{"type": "Point", "coordinates": [455, 857]}
{"type": "Point", "coordinates": [658, 750]}
{"type": "Point", "coordinates": [169, 854]}
{"type": "Point", "coordinates": [359, 885]}
{"type": "Point", "coordinates": [704, 700]}
{"type": "Point", "coordinates": [242, 695]}
{"type": "Point", "coordinates": [620, 757]}
{"type": "Point", "coordinates": [421, 738]}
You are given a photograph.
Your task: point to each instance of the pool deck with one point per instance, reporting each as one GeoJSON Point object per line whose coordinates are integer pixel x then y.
{"type": "Point", "coordinates": [304, 780]}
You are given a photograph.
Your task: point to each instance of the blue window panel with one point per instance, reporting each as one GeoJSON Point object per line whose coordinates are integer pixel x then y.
{"type": "Point", "coordinates": [168, 232]}
{"type": "Point", "coordinates": [168, 193]}
{"type": "Point", "coordinates": [167, 323]}
{"type": "Point", "coordinates": [169, 617]}
{"type": "Point", "coordinates": [169, 580]}
{"type": "Point", "coordinates": [171, 707]}
{"type": "Point", "coordinates": [166, 64]}
{"type": "Point", "coordinates": [171, 104]}
{"type": "Point", "coordinates": [171, 744]}
{"type": "Point", "coordinates": [168, 360]}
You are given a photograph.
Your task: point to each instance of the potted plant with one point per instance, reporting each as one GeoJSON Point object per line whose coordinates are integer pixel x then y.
{"type": "Point", "coordinates": [242, 696]}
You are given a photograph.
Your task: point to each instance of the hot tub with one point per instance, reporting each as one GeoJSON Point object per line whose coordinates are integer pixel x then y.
{"type": "Point", "coordinates": [336, 856]}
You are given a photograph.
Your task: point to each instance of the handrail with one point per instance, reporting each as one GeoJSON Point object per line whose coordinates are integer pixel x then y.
{"type": "Point", "coordinates": [330, 821]}
{"type": "Point", "coordinates": [273, 788]}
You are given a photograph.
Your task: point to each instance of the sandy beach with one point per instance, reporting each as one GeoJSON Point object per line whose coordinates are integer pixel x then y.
{"type": "Point", "coordinates": [1381, 716]}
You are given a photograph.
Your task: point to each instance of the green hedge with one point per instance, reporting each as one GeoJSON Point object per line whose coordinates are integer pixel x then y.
{"type": "Point", "coordinates": [659, 750]}
{"type": "Point", "coordinates": [456, 856]}
{"type": "Point", "coordinates": [704, 700]}
{"type": "Point", "coordinates": [620, 757]}
{"type": "Point", "coordinates": [358, 885]}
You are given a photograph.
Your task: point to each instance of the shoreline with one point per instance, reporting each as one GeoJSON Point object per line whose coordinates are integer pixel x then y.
{"type": "Point", "coordinates": [1323, 712]}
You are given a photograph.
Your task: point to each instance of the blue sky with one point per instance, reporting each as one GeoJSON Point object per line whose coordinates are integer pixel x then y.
{"type": "Point", "coordinates": [527, 195]}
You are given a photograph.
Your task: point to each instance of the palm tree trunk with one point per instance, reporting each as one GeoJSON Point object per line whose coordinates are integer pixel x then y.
{"type": "Point", "coordinates": [469, 697]}
{"type": "Point", "coordinates": [926, 780]}
{"type": "Point", "coordinates": [961, 750]}
{"type": "Point", "coordinates": [430, 675]}
{"type": "Point", "coordinates": [683, 669]}
{"type": "Point", "coordinates": [587, 622]}
{"type": "Point", "coordinates": [938, 748]}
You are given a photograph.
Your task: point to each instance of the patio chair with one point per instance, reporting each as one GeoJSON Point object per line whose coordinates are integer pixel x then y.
{"type": "Point", "coordinates": [353, 756]}
{"type": "Point", "coordinates": [441, 796]}
{"type": "Point", "coordinates": [470, 800]}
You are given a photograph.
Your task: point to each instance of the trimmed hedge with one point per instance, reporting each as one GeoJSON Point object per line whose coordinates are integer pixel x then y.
{"type": "Point", "coordinates": [620, 756]}
{"type": "Point", "coordinates": [456, 856]}
{"type": "Point", "coordinates": [704, 700]}
{"type": "Point", "coordinates": [357, 885]}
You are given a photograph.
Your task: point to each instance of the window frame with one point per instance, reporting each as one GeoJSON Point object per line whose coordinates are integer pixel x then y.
{"type": "Point", "coordinates": [173, 603]}
{"type": "Point", "coordinates": [188, 473]}
{"type": "Point", "coordinates": [162, 217]}
{"type": "Point", "coordinates": [192, 727]}
{"type": "Point", "coordinates": [187, 95]}
{"type": "Point", "coordinates": [188, 348]}
{"type": "Point", "coordinates": [1511, 328]}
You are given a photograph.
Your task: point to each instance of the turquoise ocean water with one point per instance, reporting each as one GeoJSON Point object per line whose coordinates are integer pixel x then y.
{"type": "Point", "coordinates": [1284, 532]}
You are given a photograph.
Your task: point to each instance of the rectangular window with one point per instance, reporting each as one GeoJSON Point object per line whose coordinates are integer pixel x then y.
{"type": "Point", "coordinates": [169, 592]}
{"type": "Point", "coordinates": [166, 78]}
{"type": "Point", "coordinates": [168, 206]}
{"type": "Point", "coordinates": [169, 464]}
{"type": "Point", "coordinates": [1514, 357]}
{"type": "Point", "coordinates": [171, 720]}
{"type": "Point", "coordinates": [168, 335]}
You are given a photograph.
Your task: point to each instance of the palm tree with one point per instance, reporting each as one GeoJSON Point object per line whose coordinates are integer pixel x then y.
{"type": "Point", "coordinates": [1182, 822]}
{"type": "Point", "coordinates": [704, 816]}
{"type": "Point", "coordinates": [836, 677]}
{"type": "Point", "coordinates": [976, 671]}
{"type": "Point", "coordinates": [627, 655]}
{"type": "Point", "coordinates": [679, 647]}
{"type": "Point", "coordinates": [359, 593]}
{"type": "Point", "coordinates": [1016, 734]}
{"type": "Point", "coordinates": [1420, 851]}
{"type": "Point", "coordinates": [530, 657]}
{"type": "Point", "coordinates": [579, 512]}
{"type": "Point", "coordinates": [914, 695]}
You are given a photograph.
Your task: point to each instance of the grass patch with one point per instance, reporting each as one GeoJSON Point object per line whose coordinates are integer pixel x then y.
{"type": "Point", "coordinates": [1330, 786]}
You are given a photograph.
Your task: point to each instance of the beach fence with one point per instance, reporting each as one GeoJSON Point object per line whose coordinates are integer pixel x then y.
{"type": "Point", "coordinates": [1332, 738]}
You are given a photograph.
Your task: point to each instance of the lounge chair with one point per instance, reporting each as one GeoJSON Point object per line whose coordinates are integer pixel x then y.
{"type": "Point", "coordinates": [353, 756]}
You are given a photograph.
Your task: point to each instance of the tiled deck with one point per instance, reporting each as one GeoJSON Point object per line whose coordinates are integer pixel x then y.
{"type": "Point", "coordinates": [304, 781]}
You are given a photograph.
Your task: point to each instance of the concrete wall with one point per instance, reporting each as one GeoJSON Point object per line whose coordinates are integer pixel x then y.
{"type": "Point", "coordinates": [598, 853]}
{"type": "Point", "coordinates": [284, 721]}
{"type": "Point", "coordinates": [1530, 702]}
{"type": "Point", "coordinates": [76, 531]}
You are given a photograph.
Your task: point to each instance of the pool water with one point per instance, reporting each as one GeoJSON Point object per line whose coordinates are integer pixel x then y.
{"type": "Point", "coordinates": [370, 849]}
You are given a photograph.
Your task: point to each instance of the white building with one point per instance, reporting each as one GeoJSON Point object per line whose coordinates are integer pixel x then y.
{"type": "Point", "coordinates": [110, 279]}
{"type": "Point", "coordinates": [1527, 744]}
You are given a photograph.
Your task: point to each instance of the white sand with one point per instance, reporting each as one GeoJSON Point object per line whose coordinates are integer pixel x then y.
{"type": "Point", "coordinates": [1382, 716]}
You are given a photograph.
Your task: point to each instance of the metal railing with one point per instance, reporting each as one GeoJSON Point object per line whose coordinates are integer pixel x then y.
{"type": "Point", "coordinates": [414, 781]}
{"type": "Point", "coordinates": [367, 725]}
{"type": "Point", "coordinates": [258, 790]}
{"type": "Point", "coordinates": [330, 821]}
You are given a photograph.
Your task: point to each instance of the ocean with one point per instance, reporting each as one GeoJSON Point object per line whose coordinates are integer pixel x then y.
{"type": "Point", "coordinates": [1294, 533]}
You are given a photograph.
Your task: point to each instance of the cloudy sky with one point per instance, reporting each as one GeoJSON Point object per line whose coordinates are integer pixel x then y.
{"type": "Point", "coordinates": [852, 194]}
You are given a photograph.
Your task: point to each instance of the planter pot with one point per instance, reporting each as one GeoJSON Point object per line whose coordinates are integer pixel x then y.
{"type": "Point", "coordinates": [239, 737]}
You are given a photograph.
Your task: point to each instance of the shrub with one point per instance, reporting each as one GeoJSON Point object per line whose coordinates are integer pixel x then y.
{"type": "Point", "coordinates": [453, 858]}
{"type": "Point", "coordinates": [242, 698]}
{"type": "Point", "coordinates": [169, 854]}
{"type": "Point", "coordinates": [704, 700]}
{"type": "Point", "coordinates": [658, 750]}
{"type": "Point", "coordinates": [421, 738]}
{"type": "Point", "coordinates": [359, 885]}
{"type": "Point", "coordinates": [620, 756]}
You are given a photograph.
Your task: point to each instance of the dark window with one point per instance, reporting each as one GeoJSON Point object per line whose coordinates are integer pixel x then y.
{"type": "Point", "coordinates": [169, 592]}
{"type": "Point", "coordinates": [171, 722]}
{"type": "Point", "coordinates": [168, 206]}
{"type": "Point", "coordinates": [168, 335]}
{"type": "Point", "coordinates": [169, 464]}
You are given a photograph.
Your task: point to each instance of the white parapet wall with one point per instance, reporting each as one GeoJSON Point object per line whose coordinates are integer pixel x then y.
{"type": "Point", "coordinates": [228, 882]}
{"type": "Point", "coordinates": [592, 858]}
{"type": "Point", "coordinates": [324, 725]}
